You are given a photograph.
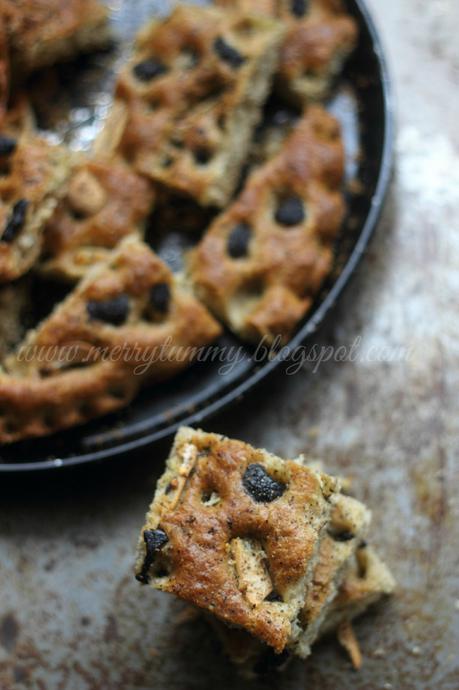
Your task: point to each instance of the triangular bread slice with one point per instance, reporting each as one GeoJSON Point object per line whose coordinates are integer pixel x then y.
{"type": "Point", "coordinates": [126, 324]}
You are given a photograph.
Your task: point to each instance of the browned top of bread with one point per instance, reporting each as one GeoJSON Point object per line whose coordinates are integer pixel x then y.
{"type": "Point", "coordinates": [218, 497]}
{"type": "Point", "coordinates": [260, 262]}
{"type": "Point", "coordinates": [311, 45]}
{"type": "Point", "coordinates": [320, 34]}
{"type": "Point", "coordinates": [33, 173]}
{"type": "Point", "coordinates": [191, 77]}
{"type": "Point", "coordinates": [126, 323]}
{"type": "Point", "coordinates": [105, 201]}
{"type": "Point", "coordinates": [366, 579]}
{"type": "Point", "coordinates": [42, 31]}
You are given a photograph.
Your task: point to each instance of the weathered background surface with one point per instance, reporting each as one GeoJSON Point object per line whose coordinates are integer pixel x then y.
{"type": "Point", "coordinates": [71, 615]}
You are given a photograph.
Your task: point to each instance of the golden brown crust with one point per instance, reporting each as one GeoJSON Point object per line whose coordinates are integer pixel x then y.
{"type": "Point", "coordinates": [105, 201]}
{"type": "Point", "coordinates": [265, 291]}
{"type": "Point", "coordinates": [42, 32]}
{"type": "Point", "coordinates": [313, 54]}
{"type": "Point", "coordinates": [38, 407]}
{"type": "Point", "coordinates": [320, 36]}
{"type": "Point", "coordinates": [78, 365]}
{"type": "Point", "coordinates": [204, 505]}
{"type": "Point", "coordinates": [366, 579]}
{"type": "Point", "coordinates": [32, 179]}
{"type": "Point", "coordinates": [188, 125]}
{"type": "Point", "coordinates": [349, 521]}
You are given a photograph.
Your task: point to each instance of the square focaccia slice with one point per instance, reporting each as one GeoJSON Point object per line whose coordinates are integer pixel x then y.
{"type": "Point", "coordinates": [127, 323]}
{"type": "Point", "coordinates": [261, 262]}
{"type": "Point", "coordinates": [32, 178]}
{"type": "Point", "coordinates": [235, 531]}
{"type": "Point", "coordinates": [320, 35]}
{"type": "Point", "coordinates": [193, 93]}
{"type": "Point", "coordinates": [42, 32]}
{"type": "Point", "coordinates": [105, 201]}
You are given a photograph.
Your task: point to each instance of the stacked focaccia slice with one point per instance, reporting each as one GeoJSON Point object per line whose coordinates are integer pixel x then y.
{"type": "Point", "coordinates": [126, 324]}
{"type": "Point", "coordinates": [268, 548]}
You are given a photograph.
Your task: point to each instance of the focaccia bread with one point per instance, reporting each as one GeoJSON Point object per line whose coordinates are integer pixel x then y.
{"type": "Point", "coordinates": [349, 521]}
{"type": "Point", "coordinates": [105, 201]}
{"type": "Point", "coordinates": [236, 531]}
{"type": "Point", "coordinates": [32, 177]}
{"type": "Point", "coordinates": [190, 98]}
{"type": "Point", "coordinates": [366, 580]}
{"type": "Point", "coordinates": [262, 261]}
{"type": "Point", "coordinates": [42, 32]}
{"type": "Point", "coordinates": [127, 323]}
{"type": "Point", "coordinates": [14, 301]}
{"type": "Point", "coordinates": [320, 36]}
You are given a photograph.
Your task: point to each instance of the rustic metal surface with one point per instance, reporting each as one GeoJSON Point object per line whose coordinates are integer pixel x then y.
{"type": "Point", "coordinates": [71, 615]}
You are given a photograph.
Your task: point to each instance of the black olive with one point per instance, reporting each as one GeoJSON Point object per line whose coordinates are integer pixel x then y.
{"type": "Point", "coordinates": [160, 297]}
{"type": "Point", "coordinates": [273, 596]}
{"type": "Point", "coordinates": [238, 241]}
{"type": "Point", "coordinates": [343, 535]}
{"type": "Point", "coordinates": [299, 7]}
{"type": "Point", "coordinates": [202, 155]}
{"type": "Point", "coordinates": [7, 145]}
{"type": "Point", "coordinates": [290, 211]}
{"type": "Point", "coordinates": [114, 311]}
{"type": "Point", "coordinates": [154, 540]}
{"type": "Point", "coordinates": [16, 221]}
{"type": "Point", "coordinates": [283, 117]}
{"type": "Point", "coordinates": [149, 69]}
{"type": "Point", "coordinates": [227, 53]}
{"type": "Point", "coordinates": [260, 486]}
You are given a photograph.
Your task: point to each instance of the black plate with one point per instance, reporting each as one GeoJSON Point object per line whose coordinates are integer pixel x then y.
{"type": "Point", "coordinates": [363, 104]}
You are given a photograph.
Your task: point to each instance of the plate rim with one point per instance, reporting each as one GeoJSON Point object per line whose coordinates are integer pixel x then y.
{"type": "Point", "coordinates": [236, 394]}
